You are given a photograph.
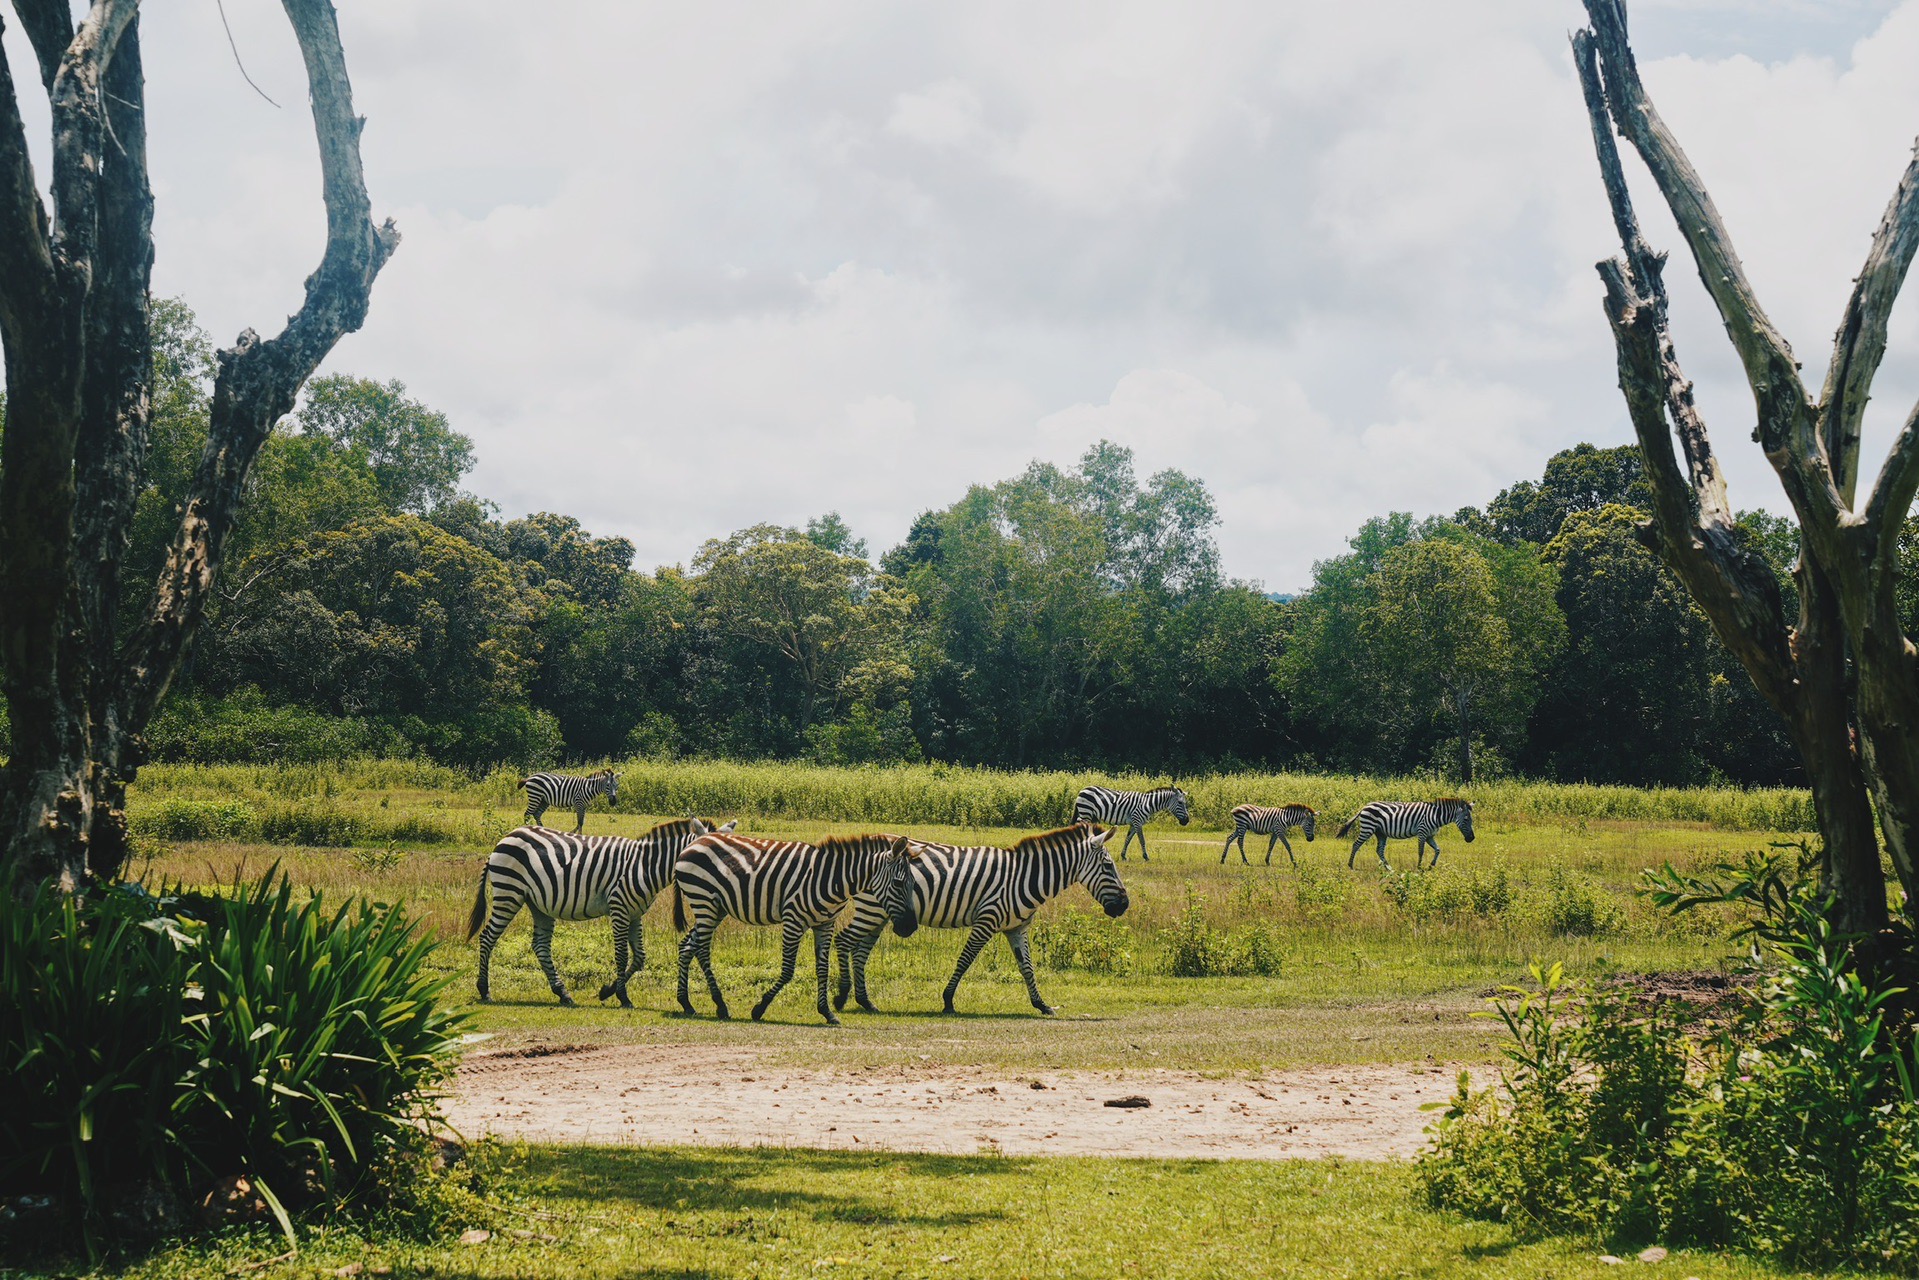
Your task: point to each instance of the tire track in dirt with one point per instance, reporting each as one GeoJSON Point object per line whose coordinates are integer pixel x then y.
{"type": "Point", "coordinates": [696, 1096]}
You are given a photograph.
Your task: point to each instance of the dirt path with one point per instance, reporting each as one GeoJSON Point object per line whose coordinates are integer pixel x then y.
{"type": "Point", "coordinates": [721, 1097]}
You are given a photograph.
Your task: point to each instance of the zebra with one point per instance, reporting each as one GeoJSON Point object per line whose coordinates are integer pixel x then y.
{"type": "Point", "coordinates": [1262, 821]}
{"type": "Point", "coordinates": [544, 790]}
{"type": "Point", "coordinates": [565, 876]}
{"type": "Point", "coordinates": [1398, 819]}
{"type": "Point", "coordinates": [785, 882]}
{"type": "Point", "coordinates": [988, 891]}
{"type": "Point", "coordinates": [1131, 809]}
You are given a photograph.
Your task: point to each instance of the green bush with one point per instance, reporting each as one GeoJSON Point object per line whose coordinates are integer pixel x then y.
{"type": "Point", "coordinates": [1081, 940]}
{"type": "Point", "coordinates": [317, 823]}
{"type": "Point", "coordinates": [180, 818]}
{"type": "Point", "coordinates": [152, 1045]}
{"type": "Point", "coordinates": [1573, 910]}
{"type": "Point", "coordinates": [1193, 948]}
{"type": "Point", "coordinates": [1795, 1133]}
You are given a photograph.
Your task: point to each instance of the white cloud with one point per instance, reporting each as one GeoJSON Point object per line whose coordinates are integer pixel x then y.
{"type": "Point", "coordinates": [682, 268]}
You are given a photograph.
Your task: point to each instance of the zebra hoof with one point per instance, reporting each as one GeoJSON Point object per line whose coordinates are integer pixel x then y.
{"type": "Point", "coordinates": [625, 1002]}
{"type": "Point", "coordinates": [831, 1021]}
{"type": "Point", "coordinates": [566, 1002]}
{"type": "Point", "coordinates": [1046, 1009]}
{"type": "Point", "coordinates": [722, 1014]}
{"type": "Point", "coordinates": [759, 1012]}
{"type": "Point", "coordinates": [949, 1008]}
{"type": "Point", "coordinates": [608, 991]}
{"type": "Point", "coordinates": [869, 1006]}
{"type": "Point", "coordinates": [839, 1001]}
{"type": "Point", "coordinates": [686, 1007]}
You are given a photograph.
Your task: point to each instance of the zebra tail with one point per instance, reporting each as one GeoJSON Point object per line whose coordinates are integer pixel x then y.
{"type": "Point", "coordinates": [1348, 827]}
{"type": "Point", "coordinates": [679, 910]}
{"type": "Point", "coordinates": [474, 921]}
{"type": "Point", "coordinates": [521, 784]}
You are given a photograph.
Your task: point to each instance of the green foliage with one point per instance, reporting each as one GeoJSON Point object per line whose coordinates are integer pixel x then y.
{"type": "Point", "coordinates": [1434, 896]}
{"type": "Point", "coordinates": [246, 729]}
{"type": "Point", "coordinates": [181, 818]}
{"type": "Point", "coordinates": [1073, 939]}
{"type": "Point", "coordinates": [416, 458]}
{"type": "Point", "coordinates": [1794, 1132]}
{"type": "Point", "coordinates": [1574, 910]}
{"type": "Point", "coordinates": [158, 1043]}
{"type": "Point", "coordinates": [1194, 948]}
{"type": "Point", "coordinates": [1579, 479]}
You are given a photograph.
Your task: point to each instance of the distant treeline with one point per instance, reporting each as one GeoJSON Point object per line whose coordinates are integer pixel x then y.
{"type": "Point", "coordinates": [1061, 619]}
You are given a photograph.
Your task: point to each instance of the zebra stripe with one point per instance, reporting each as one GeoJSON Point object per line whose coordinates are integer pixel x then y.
{"type": "Point", "coordinates": [544, 790]}
{"type": "Point", "coordinates": [989, 891]}
{"type": "Point", "coordinates": [564, 876]}
{"type": "Point", "coordinates": [1263, 821]}
{"type": "Point", "coordinates": [1131, 809]}
{"type": "Point", "coordinates": [785, 882]}
{"type": "Point", "coordinates": [1400, 820]}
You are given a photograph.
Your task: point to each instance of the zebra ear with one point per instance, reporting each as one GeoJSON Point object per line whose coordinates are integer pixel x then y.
{"type": "Point", "coordinates": [902, 845]}
{"type": "Point", "coordinates": [699, 828]}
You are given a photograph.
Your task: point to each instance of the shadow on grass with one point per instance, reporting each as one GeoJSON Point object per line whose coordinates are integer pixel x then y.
{"type": "Point", "coordinates": [736, 1179]}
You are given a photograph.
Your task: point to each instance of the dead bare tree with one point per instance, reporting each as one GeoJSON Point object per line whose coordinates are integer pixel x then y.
{"type": "Point", "coordinates": [1843, 674]}
{"type": "Point", "coordinates": [83, 679]}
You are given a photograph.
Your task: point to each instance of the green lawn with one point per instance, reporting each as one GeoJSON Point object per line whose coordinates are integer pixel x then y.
{"type": "Point", "coordinates": [682, 1214]}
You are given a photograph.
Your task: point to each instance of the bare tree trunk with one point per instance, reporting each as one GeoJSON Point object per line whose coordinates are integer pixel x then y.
{"type": "Point", "coordinates": [1848, 563]}
{"type": "Point", "coordinates": [1462, 699]}
{"type": "Point", "coordinates": [74, 321]}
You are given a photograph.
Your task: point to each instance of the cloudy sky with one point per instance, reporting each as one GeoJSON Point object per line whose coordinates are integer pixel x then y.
{"type": "Point", "coordinates": [678, 268]}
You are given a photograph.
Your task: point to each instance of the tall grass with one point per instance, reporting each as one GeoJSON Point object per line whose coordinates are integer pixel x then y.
{"type": "Point", "coordinates": [376, 801]}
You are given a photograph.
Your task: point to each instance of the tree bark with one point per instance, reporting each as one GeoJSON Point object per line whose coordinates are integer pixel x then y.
{"type": "Point", "coordinates": [1848, 629]}
{"type": "Point", "coordinates": [74, 321]}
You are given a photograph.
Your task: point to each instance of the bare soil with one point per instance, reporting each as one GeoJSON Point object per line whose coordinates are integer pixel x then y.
{"type": "Point", "coordinates": [701, 1096]}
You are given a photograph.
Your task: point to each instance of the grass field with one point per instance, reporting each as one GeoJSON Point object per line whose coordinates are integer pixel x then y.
{"type": "Point", "coordinates": [1319, 965]}
{"type": "Point", "coordinates": [1315, 965]}
{"type": "Point", "coordinates": [667, 1214]}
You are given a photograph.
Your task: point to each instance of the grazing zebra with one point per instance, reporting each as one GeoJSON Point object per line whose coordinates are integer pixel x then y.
{"type": "Point", "coordinates": [1262, 821]}
{"type": "Point", "coordinates": [564, 876]}
{"type": "Point", "coordinates": [544, 790]}
{"type": "Point", "coordinates": [1397, 820]}
{"type": "Point", "coordinates": [988, 891]}
{"type": "Point", "coordinates": [1130, 809]}
{"type": "Point", "coordinates": [785, 882]}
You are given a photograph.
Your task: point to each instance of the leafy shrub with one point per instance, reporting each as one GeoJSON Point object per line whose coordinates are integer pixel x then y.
{"type": "Point", "coordinates": [150, 1045]}
{"type": "Point", "coordinates": [180, 818]}
{"type": "Point", "coordinates": [244, 729]}
{"type": "Point", "coordinates": [1446, 896]}
{"type": "Point", "coordinates": [1193, 948]}
{"type": "Point", "coordinates": [1318, 895]}
{"type": "Point", "coordinates": [1082, 940]}
{"type": "Point", "coordinates": [310, 822]}
{"type": "Point", "coordinates": [1795, 1132]}
{"type": "Point", "coordinates": [1573, 910]}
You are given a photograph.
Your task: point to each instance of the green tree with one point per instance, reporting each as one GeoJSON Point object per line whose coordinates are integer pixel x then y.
{"type": "Point", "coordinates": [1582, 478]}
{"type": "Point", "coordinates": [1630, 698]}
{"type": "Point", "coordinates": [416, 457]}
{"type": "Point", "coordinates": [804, 623]}
{"type": "Point", "coordinates": [1463, 625]}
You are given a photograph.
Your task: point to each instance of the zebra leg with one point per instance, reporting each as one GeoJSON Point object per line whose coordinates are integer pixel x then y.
{"type": "Point", "coordinates": [1142, 844]}
{"type": "Point", "coordinates": [860, 955]}
{"type": "Point", "coordinates": [703, 947]}
{"type": "Point", "coordinates": [1239, 834]}
{"type": "Point", "coordinates": [686, 964]}
{"type": "Point", "coordinates": [505, 907]}
{"type": "Point", "coordinates": [1353, 857]}
{"type": "Point", "coordinates": [975, 943]}
{"type": "Point", "coordinates": [789, 959]}
{"type": "Point", "coordinates": [1281, 837]}
{"type": "Point", "coordinates": [822, 957]}
{"type": "Point", "coordinates": [543, 950]}
{"type": "Point", "coordinates": [1382, 852]}
{"type": "Point", "coordinates": [621, 919]}
{"type": "Point", "coordinates": [1435, 844]}
{"type": "Point", "coordinates": [533, 814]}
{"type": "Point", "coordinates": [1016, 938]}
{"type": "Point", "coordinates": [579, 816]}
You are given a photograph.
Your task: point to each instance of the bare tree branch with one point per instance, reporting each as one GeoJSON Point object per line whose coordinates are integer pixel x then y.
{"type": "Point", "coordinates": [26, 256]}
{"type": "Point", "coordinates": [79, 127]}
{"type": "Point", "coordinates": [49, 26]}
{"type": "Point", "coordinates": [1860, 343]}
{"type": "Point", "coordinates": [257, 379]}
{"type": "Point", "coordinates": [1787, 427]}
{"type": "Point", "coordinates": [1894, 491]}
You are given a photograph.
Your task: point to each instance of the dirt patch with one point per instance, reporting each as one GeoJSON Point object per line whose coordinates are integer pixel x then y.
{"type": "Point", "coordinates": [681, 1095]}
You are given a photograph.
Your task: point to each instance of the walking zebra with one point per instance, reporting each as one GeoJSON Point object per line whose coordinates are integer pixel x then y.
{"type": "Point", "coordinates": [544, 790]}
{"type": "Point", "coordinates": [1398, 819]}
{"type": "Point", "coordinates": [988, 891]}
{"type": "Point", "coordinates": [1130, 809]}
{"type": "Point", "coordinates": [1262, 821]}
{"type": "Point", "coordinates": [785, 882]}
{"type": "Point", "coordinates": [560, 875]}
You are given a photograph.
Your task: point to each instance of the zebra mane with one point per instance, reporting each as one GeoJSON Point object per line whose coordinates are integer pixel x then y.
{"type": "Point", "coordinates": [1030, 841]}
{"type": "Point", "coordinates": [674, 826]}
{"type": "Point", "coordinates": [1453, 800]}
{"type": "Point", "coordinates": [854, 844]}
